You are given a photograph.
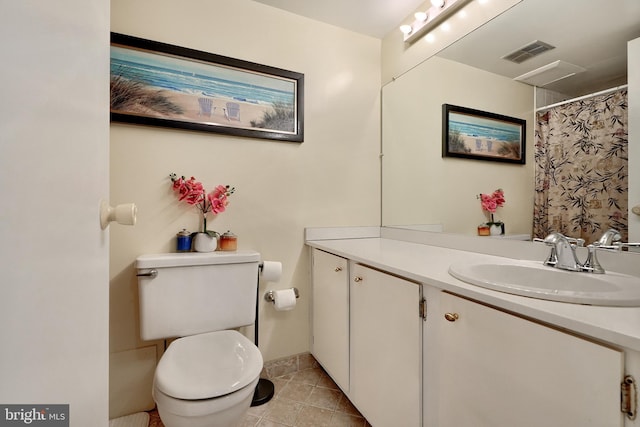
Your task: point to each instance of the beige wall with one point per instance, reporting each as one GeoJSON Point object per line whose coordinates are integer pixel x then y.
{"type": "Point", "coordinates": [330, 179]}
{"type": "Point", "coordinates": [421, 187]}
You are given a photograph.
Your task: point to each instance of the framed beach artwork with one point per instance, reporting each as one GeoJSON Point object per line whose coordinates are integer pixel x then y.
{"type": "Point", "coordinates": [475, 134]}
{"type": "Point", "coordinates": [158, 84]}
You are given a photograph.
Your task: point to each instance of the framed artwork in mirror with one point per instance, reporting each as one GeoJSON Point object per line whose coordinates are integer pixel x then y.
{"type": "Point", "coordinates": [480, 135]}
{"type": "Point", "coordinates": [159, 84]}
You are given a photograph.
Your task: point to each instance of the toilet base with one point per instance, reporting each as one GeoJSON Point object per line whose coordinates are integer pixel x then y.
{"type": "Point", "coordinates": [225, 411]}
{"type": "Point", "coordinates": [264, 392]}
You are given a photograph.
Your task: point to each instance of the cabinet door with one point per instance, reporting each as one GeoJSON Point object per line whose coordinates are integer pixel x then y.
{"type": "Point", "coordinates": [500, 370]}
{"type": "Point", "coordinates": [386, 338]}
{"type": "Point", "coordinates": [330, 316]}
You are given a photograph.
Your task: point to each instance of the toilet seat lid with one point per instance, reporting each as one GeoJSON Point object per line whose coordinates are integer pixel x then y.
{"type": "Point", "coordinates": [208, 365]}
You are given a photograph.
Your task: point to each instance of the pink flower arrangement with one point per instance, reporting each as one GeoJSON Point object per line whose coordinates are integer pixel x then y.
{"type": "Point", "coordinates": [193, 193]}
{"type": "Point", "coordinates": [491, 202]}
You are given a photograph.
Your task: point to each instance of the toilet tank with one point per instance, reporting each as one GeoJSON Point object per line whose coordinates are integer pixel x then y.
{"type": "Point", "coordinates": [192, 293]}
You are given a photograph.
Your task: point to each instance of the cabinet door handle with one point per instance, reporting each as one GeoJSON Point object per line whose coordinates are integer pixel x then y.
{"type": "Point", "coordinates": [451, 317]}
{"type": "Point", "coordinates": [338, 269]}
{"type": "Point", "coordinates": [357, 279]}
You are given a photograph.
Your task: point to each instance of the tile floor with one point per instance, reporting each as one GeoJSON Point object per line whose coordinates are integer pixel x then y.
{"type": "Point", "coordinates": [306, 398]}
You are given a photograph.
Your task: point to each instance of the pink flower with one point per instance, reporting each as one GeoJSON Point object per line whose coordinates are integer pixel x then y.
{"type": "Point", "coordinates": [217, 205]}
{"type": "Point", "coordinates": [193, 193]}
{"type": "Point", "coordinates": [491, 202]}
{"type": "Point", "coordinates": [219, 191]}
{"type": "Point", "coordinates": [498, 196]}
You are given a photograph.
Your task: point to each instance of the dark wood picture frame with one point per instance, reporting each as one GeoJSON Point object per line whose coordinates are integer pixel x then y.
{"type": "Point", "coordinates": [479, 135]}
{"type": "Point", "coordinates": [159, 84]}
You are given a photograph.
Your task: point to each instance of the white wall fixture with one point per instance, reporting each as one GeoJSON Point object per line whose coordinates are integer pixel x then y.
{"type": "Point", "coordinates": [284, 299]}
{"type": "Point", "coordinates": [124, 214]}
{"type": "Point", "coordinates": [428, 20]}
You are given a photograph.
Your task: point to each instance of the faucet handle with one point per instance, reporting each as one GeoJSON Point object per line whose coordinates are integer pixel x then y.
{"type": "Point", "coordinates": [552, 259]}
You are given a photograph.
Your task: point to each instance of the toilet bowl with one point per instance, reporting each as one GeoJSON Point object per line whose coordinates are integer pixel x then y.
{"type": "Point", "coordinates": [207, 380]}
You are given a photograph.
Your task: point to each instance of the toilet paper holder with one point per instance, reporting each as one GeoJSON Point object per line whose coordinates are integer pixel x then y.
{"type": "Point", "coordinates": [268, 296]}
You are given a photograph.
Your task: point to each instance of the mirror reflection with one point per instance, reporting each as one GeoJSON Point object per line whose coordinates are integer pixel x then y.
{"type": "Point", "coordinates": [563, 69]}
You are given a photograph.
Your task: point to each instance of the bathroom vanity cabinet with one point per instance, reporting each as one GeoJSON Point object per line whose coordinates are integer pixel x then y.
{"type": "Point", "coordinates": [386, 343]}
{"type": "Point", "coordinates": [367, 334]}
{"type": "Point", "coordinates": [497, 366]}
{"type": "Point", "coordinates": [330, 315]}
{"type": "Point", "coordinates": [467, 356]}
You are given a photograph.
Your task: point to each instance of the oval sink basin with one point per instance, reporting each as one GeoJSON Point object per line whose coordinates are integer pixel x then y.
{"type": "Point", "coordinates": [535, 280]}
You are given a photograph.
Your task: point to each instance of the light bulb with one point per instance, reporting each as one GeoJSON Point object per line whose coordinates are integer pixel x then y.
{"type": "Point", "coordinates": [421, 16]}
{"type": "Point", "coordinates": [406, 29]}
{"type": "Point", "coordinates": [437, 3]}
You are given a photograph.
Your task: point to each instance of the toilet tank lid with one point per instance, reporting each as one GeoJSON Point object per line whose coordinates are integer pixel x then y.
{"type": "Point", "coordinates": [195, 258]}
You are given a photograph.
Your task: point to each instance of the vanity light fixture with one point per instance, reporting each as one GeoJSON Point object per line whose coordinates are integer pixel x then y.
{"type": "Point", "coordinates": [428, 20]}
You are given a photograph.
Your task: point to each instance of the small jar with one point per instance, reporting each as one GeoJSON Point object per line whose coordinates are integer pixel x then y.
{"type": "Point", "coordinates": [183, 243]}
{"type": "Point", "coordinates": [484, 230]}
{"type": "Point", "coordinates": [228, 242]}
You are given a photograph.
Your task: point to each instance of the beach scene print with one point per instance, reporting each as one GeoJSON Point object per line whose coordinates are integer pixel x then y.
{"type": "Point", "coordinates": [163, 86]}
{"type": "Point", "coordinates": [471, 134]}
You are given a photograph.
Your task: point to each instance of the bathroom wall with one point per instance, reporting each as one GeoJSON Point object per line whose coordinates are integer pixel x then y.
{"type": "Point", "coordinates": [331, 179]}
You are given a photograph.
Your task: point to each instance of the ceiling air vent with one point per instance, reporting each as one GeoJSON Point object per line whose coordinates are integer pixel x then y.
{"type": "Point", "coordinates": [529, 51]}
{"type": "Point", "coordinates": [550, 73]}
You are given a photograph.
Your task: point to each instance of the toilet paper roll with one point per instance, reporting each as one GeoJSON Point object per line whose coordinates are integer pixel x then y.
{"type": "Point", "coordinates": [284, 300]}
{"type": "Point", "coordinates": [271, 271]}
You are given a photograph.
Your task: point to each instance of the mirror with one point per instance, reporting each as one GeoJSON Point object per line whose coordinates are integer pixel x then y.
{"type": "Point", "coordinates": [421, 187]}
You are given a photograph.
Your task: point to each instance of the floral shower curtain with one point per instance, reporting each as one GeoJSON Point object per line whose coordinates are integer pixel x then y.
{"type": "Point", "coordinates": [581, 168]}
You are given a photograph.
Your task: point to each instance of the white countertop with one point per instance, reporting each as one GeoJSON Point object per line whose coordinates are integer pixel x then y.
{"type": "Point", "coordinates": [429, 265]}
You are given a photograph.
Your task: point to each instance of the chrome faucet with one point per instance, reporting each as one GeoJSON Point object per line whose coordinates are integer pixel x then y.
{"type": "Point", "coordinates": [563, 251]}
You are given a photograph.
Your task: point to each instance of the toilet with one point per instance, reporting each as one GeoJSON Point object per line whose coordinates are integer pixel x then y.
{"type": "Point", "coordinates": [208, 375]}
